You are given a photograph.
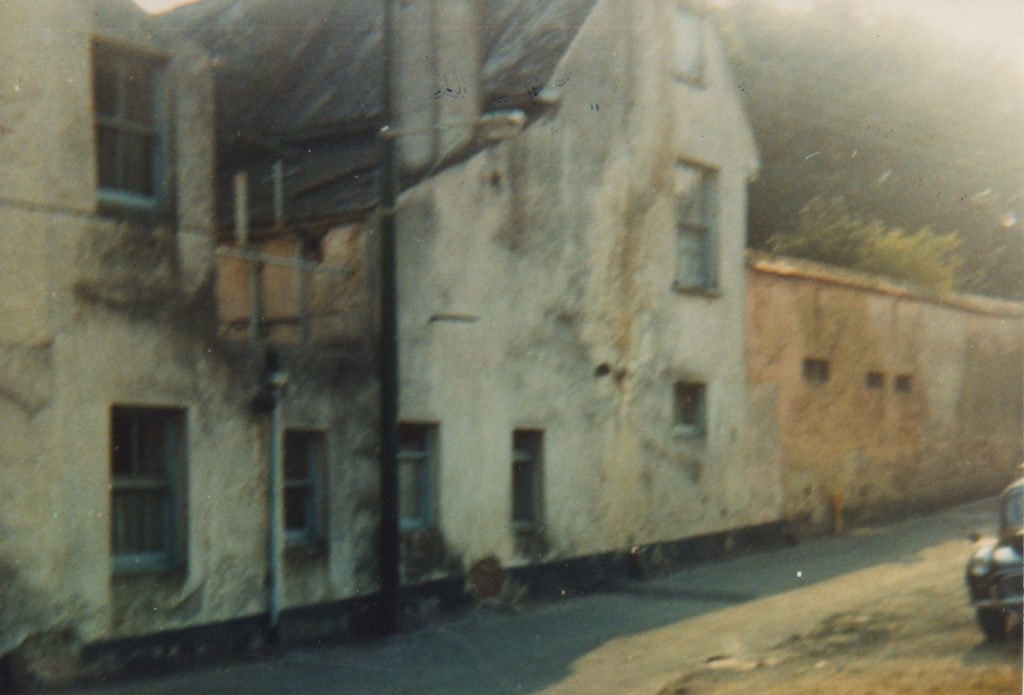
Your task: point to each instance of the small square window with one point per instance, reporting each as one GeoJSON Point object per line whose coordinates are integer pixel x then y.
{"type": "Point", "coordinates": [417, 454]}
{"type": "Point", "coordinates": [146, 468]}
{"type": "Point", "coordinates": [688, 417]}
{"type": "Point", "coordinates": [527, 463]}
{"type": "Point", "coordinates": [903, 383]}
{"type": "Point", "coordinates": [303, 472]}
{"type": "Point", "coordinates": [815, 370]}
{"type": "Point", "coordinates": [874, 380]}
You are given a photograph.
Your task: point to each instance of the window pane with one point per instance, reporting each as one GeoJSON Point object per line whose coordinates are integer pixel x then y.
{"type": "Point", "coordinates": [298, 453]}
{"type": "Point", "coordinates": [155, 444]}
{"type": "Point", "coordinates": [121, 448]}
{"type": "Point", "coordinates": [140, 521]}
{"type": "Point", "coordinates": [686, 44]}
{"type": "Point", "coordinates": [106, 156]}
{"type": "Point", "coordinates": [689, 195]}
{"type": "Point", "coordinates": [522, 491]}
{"type": "Point", "coordinates": [104, 83]}
{"type": "Point", "coordinates": [527, 447]}
{"type": "Point", "coordinates": [136, 163]}
{"type": "Point", "coordinates": [298, 508]}
{"type": "Point", "coordinates": [138, 91]}
{"type": "Point", "coordinates": [691, 264]}
{"type": "Point", "coordinates": [410, 492]}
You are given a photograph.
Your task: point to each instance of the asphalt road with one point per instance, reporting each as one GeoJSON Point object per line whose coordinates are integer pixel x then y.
{"type": "Point", "coordinates": [646, 636]}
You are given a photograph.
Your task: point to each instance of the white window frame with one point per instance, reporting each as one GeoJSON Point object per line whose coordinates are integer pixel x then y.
{"type": "Point", "coordinates": [121, 59]}
{"type": "Point", "coordinates": [696, 208]}
{"type": "Point", "coordinates": [418, 446]}
{"type": "Point", "coordinates": [126, 431]}
{"type": "Point", "coordinates": [314, 449]}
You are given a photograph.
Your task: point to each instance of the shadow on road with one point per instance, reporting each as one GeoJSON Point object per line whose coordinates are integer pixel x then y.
{"type": "Point", "coordinates": [536, 646]}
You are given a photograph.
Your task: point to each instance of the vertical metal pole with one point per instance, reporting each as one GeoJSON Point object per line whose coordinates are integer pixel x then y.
{"type": "Point", "coordinates": [303, 291]}
{"type": "Point", "coordinates": [274, 599]}
{"type": "Point", "coordinates": [255, 298]}
{"type": "Point", "coordinates": [388, 349]}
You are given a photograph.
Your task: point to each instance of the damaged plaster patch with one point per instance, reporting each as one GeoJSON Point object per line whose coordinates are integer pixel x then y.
{"type": "Point", "coordinates": [26, 376]}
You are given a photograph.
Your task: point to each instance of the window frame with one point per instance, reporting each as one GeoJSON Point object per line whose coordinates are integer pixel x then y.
{"type": "Point", "coordinates": [171, 484]}
{"type": "Point", "coordinates": [527, 456]}
{"type": "Point", "coordinates": [120, 196]}
{"type": "Point", "coordinates": [426, 453]}
{"type": "Point", "coordinates": [702, 229]}
{"type": "Point", "coordinates": [816, 370]}
{"type": "Point", "coordinates": [684, 425]}
{"type": "Point", "coordinates": [314, 483]}
{"type": "Point", "coordinates": [681, 16]}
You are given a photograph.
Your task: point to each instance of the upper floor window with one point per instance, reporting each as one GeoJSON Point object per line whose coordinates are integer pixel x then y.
{"type": "Point", "coordinates": [129, 149]}
{"type": "Point", "coordinates": [694, 192]}
{"type": "Point", "coordinates": [688, 46]}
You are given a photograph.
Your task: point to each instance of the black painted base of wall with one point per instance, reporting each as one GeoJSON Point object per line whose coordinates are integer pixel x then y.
{"type": "Point", "coordinates": [356, 619]}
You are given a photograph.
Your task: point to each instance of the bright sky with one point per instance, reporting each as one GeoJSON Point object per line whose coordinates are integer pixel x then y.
{"type": "Point", "coordinates": [995, 22]}
{"type": "Point", "coordinates": [160, 5]}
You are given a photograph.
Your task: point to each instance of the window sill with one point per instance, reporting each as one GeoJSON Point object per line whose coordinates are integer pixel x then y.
{"type": "Point", "coordinates": [527, 527]}
{"type": "Point", "coordinates": [413, 526]}
{"type": "Point", "coordinates": [698, 291]}
{"type": "Point", "coordinates": [305, 550]}
{"type": "Point", "coordinates": [127, 566]}
{"type": "Point", "coordinates": [689, 433]}
{"type": "Point", "coordinates": [694, 81]}
{"type": "Point", "coordinates": [134, 209]}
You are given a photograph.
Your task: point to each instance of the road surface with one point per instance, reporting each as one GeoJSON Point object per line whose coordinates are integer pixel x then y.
{"type": "Point", "coordinates": [877, 610]}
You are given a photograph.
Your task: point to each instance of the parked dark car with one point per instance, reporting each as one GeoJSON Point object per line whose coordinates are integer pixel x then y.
{"type": "Point", "coordinates": [995, 572]}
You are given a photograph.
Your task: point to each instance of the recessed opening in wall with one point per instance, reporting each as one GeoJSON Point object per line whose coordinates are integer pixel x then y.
{"type": "Point", "coordinates": [303, 488]}
{"type": "Point", "coordinates": [688, 46]}
{"type": "Point", "coordinates": [527, 463]}
{"type": "Point", "coordinates": [874, 380]}
{"type": "Point", "coordinates": [815, 370]}
{"type": "Point", "coordinates": [127, 98]}
{"type": "Point", "coordinates": [688, 408]}
{"type": "Point", "coordinates": [417, 461]}
{"type": "Point", "coordinates": [903, 382]}
{"type": "Point", "coordinates": [147, 462]}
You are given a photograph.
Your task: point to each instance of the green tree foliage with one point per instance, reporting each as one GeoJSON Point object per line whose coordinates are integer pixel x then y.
{"type": "Point", "coordinates": [828, 232]}
{"type": "Point", "coordinates": [853, 100]}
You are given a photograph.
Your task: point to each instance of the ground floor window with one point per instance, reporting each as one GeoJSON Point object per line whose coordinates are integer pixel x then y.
{"type": "Point", "coordinates": [417, 461]}
{"type": "Point", "coordinates": [146, 474]}
{"type": "Point", "coordinates": [303, 473]}
{"type": "Point", "coordinates": [527, 462]}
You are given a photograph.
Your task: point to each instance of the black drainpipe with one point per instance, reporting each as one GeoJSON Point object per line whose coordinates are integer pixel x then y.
{"type": "Point", "coordinates": [388, 353]}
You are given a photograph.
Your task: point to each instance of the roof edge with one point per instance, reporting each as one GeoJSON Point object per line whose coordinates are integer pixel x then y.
{"type": "Point", "coordinates": [789, 266]}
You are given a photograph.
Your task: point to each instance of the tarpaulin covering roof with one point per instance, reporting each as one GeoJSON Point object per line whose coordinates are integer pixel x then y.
{"type": "Point", "coordinates": [302, 81]}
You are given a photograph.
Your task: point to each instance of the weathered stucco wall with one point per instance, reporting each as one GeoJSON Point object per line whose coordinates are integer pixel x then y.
{"type": "Point", "coordinates": [102, 308]}
{"type": "Point", "coordinates": [536, 291]}
{"type": "Point", "coordinates": [940, 421]}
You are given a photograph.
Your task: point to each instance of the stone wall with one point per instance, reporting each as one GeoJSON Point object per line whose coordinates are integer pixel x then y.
{"type": "Point", "coordinates": [911, 401]}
